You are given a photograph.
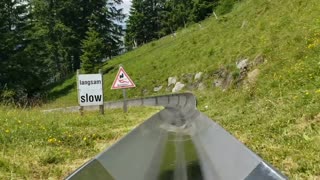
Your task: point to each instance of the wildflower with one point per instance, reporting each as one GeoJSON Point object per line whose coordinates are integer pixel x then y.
{"type": "Point", "coordinates": [7, 131]}
{"type": "Point", "coordinates": [52, 140]}
{"type": "Point", "coordinates": [307, 93]}
{"type": "Point", "coordinates": [19, 121]}
{"type": "Point", "coordinates": [84, 138]}
{"type": "Point", "coordinates": [318, 91]}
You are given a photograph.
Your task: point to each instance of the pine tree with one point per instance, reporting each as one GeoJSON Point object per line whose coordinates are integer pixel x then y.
{"type": "Point", "coordinates": [93, 51]}
{"type": "Point", "coordinates": [144, 23]}
{"type": "Point", "coordinates": [17, 72]}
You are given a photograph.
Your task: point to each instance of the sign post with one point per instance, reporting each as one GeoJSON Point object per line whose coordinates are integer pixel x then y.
{"type": "Point", "coordinates": [123, 81]}
{"type": "Point", "coordinates": [80, 107]}
{"type": "Point", "coordinates": [101, 107]}
{"type": "Point", "coordinates": [125, 106]}
{"type": "Point", "coordinates": [90, 90]}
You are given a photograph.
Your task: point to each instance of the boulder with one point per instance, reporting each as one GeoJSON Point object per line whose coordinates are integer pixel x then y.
{"type": "Point", "coordinates": [242, 64]}
{"type": "Point", "coordinates": [223, 78]}
{"type": "Point", "coordinates": [198, 76]}
{"type": "Point", "coordinates": [178, 87]}
{"type": "Point", "coordinates": [172, 80]}
{"type": "Point", "coordinates": [223, 82]}
{"type": "Point", "coordinates": [218, 82]}
{"type": "Point", "coordinates": [156, 89]}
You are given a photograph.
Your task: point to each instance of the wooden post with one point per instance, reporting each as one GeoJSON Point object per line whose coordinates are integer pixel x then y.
{"type": "Point", "coordinates": [125, 107]}
{"type": "Point", "coordinates": [101, 107]}
{"type": "Point", "coordinates": [80, 107]}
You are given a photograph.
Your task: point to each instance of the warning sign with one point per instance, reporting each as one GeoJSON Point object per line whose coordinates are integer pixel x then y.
{"type": "Point", "coordinates": [122, 80]}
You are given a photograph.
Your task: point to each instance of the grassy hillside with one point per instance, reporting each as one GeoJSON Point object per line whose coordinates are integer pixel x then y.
{"type": "Point", "coordinates": [278, 115]}
{"type": "Point", "coordinates": [279, 31]}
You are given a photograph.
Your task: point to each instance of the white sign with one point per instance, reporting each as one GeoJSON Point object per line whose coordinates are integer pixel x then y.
{"type": "Point", "coordinates": [90, 90]}
{"type": "Point", "coordinates": [122, 80]}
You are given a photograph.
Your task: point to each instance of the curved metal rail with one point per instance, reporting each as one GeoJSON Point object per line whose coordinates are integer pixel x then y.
{"type": "Point", "coordinates": [179, 143]}
{"type": "Point", "coordinates": [182, 101]}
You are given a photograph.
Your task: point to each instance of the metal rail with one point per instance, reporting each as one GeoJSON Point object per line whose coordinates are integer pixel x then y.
{"type": "Point", "coordinates": [179, 143]}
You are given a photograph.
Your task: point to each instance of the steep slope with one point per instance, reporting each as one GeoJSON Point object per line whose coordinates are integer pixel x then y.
{"type": "Point", "coordinates": [275, 111]}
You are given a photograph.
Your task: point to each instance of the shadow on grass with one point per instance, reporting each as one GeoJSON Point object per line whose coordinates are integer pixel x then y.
{"type": "Point", "coordinates": [60, 88]}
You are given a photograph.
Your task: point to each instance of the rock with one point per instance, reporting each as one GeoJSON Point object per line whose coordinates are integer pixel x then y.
{"type": "Point", "coordinates": [201, 86]}
{"type": "Point", "coordinates": [178, 87]}
{"type": "Point", "coordinates": [253, 76]}
{"type": "Point", "coordinates": [242, 64]}
{"type": "Point", "coordinates": [258, 60]}
{"type": "Point", "coordinates": [156, 89]}
{"type": "Point", "coordinates": [218, 82]}
{"type": "Point", "coordinates": [223, 78]}
{"type": "Point", "coordinates": [198, 76]}
{"type": "Point", "coordinates": [224, 82]}
{"type": "Point", "coordinates": [187, 78]}
{"type": "Point", "coordinates": [172, 80]}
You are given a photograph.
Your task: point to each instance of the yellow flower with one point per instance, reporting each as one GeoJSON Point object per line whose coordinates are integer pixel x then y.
{"type": "Point", "coordinates": [307, 93]}
{"type": "Point", "coordinates": [7, 130]}
{"type": "Point", "coordinates": [19, 121]}
{"type": "Point", "coordinates": [318, 91]}
{"type": "Point", "coordinates": [52, 140]}
{"type": "Point", "coordinates": [84, 138]}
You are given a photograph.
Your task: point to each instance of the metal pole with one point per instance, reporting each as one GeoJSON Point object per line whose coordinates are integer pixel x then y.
{"type": "Point", "coordinates": [101, 107]}
{"type": "Point", "coordinates": [125, 108]}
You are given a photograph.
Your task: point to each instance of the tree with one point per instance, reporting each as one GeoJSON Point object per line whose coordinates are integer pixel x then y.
{"type": "Point", "coordinates": [144, 23]}
{"type": "Point", "coordinates": [42, 40]}
{"type": "Point", "coordinates": [19, 73]}
{"type": "Point", "coordinates": [64, 24]}
{"type": "Point", "coordinates": [152, 19]}
{"type": "Point", "coordinates": [93, 51]}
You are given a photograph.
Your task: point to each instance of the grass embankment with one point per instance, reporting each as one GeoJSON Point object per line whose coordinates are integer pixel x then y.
{"type": "Point", "coordinates": [35, 145]}
{"type": "Point", "coordinates": [278, 116]}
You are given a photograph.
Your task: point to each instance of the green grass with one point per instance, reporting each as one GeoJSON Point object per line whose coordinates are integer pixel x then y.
{"type": "Point", "coordinates": [35, 145]}
{"type": "Point", "coordinates": [278, 116]}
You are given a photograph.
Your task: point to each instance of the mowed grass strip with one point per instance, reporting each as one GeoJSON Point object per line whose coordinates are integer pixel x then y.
{"type": "Point", "coordinates": [35, 145]}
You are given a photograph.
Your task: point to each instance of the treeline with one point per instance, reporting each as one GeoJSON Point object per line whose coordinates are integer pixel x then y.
{"type": "Point", "coordinates": [44, 41]}
{"type": "Point", "coordinates": [153, 19]}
